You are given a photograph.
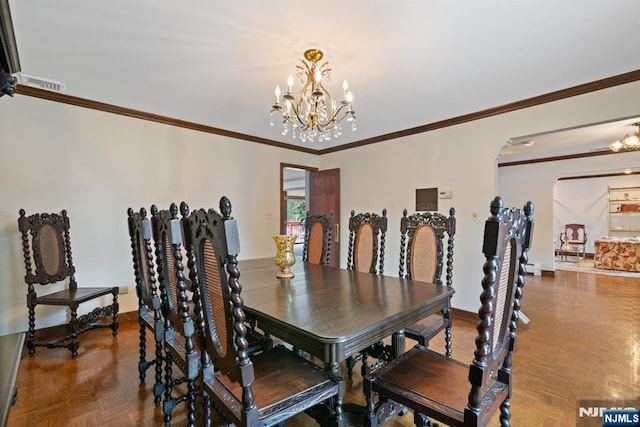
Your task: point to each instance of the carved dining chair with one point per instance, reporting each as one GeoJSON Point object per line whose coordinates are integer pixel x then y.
{"type": "Point", "coordinates": [442, 389]}
{"type": "Point", "coordinates": [367, 234]}
{"type": "Point", "coordinates": [46, 244]}
{"type": "Point", "coordinates": [317, 238]}
{"type": "Point", "coordinates": [246, 390]}
{"type": "Point", "coordinates": [258, 340]}
{"type": "Point", "coordinates": [422, 258]}
{"type": "Point", "coordinates": [178, 312]}
{"type": "Point", "coordinates": [149, 316]}
{"type": "Point", "coordinates": [573, 239]}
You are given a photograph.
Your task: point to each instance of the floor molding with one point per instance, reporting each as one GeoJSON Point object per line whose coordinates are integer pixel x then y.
{"type": "Point", "coordinates": [469, 316]}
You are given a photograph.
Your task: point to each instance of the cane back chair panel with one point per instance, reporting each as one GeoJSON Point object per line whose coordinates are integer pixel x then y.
{"type": "Point", "coordinates": [367, 233]}
{"type": "Point", "coordinates": [317, 238]}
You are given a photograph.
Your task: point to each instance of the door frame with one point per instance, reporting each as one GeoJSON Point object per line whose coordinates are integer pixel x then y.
{"type": "Point", "coordinates": [283, 204]}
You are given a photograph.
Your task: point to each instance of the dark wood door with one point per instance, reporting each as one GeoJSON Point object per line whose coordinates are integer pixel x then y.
{"type": "Point", "coordinates": [324, 197]}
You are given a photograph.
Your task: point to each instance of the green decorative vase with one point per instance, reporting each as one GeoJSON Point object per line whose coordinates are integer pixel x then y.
{"type": "Point", "coordinates": [285, 257]}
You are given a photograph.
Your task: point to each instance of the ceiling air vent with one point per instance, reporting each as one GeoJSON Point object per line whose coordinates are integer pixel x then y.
{"type": "Point", "coordinates": [39, 82]}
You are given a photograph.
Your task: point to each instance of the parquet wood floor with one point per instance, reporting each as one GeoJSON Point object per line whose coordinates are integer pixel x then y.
{"type": "Point", "coordinates": [583, 341]}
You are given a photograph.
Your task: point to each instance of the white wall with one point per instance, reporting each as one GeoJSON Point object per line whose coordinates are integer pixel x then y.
{"type": "Point", "coordinates": [96, 165]}
{"type": "Point", "coordinates": [385, 175]}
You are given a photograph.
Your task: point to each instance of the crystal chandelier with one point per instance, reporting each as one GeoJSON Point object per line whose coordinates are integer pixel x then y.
{"type": "Point", "coordinates": [313, 111]}
{"type": "Point", "coordinates": [628, 143]}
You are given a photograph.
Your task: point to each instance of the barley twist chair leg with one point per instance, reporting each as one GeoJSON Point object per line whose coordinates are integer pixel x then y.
{"type": "Point", "coordinates": [142, 363]}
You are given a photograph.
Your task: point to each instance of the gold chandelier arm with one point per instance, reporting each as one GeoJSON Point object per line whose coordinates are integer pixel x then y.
{"type": "Point", "coordinates": [334, 108]}
{"type": "Point", "coordinates": [324, 68]}
{"type": "Point", "coordinates": [306, 70]}
{"type": "Point", "coordinates": [296, 107]}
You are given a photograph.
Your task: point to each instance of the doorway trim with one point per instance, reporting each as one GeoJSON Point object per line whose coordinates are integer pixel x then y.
{"type": "Point", "coordinates": [283, 206]}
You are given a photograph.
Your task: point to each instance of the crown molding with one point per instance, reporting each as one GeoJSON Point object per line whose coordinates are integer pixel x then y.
{"type": "Point", "coordinates": [605, 83]}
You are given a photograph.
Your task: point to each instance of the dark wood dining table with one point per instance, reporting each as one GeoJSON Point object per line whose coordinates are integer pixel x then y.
{"type": "Point", "coordinates": [333, 313]}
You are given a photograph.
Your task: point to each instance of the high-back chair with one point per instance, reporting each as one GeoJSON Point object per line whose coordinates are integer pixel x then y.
{"type": "Point", "coordinates": [246, 390]}
{"type": "Point", "coordinates": [574, 239]}
{"type": "Point", "coordinates": [367, 233]}
{"type": "Point", "coordinates": [178, 312]}
{"type": "Point", "coordinates": [149, 316]}
{"type": "Point", "coordinates": [47, 258]}
{"type": "Point", "coordinates": [317, 238]}
{"type": "Point", "coordinates": [258, 341]}
{"type": "Point", "coordinates": [439, 388]}
{"type": "Point", "coordinates": [422, 258]}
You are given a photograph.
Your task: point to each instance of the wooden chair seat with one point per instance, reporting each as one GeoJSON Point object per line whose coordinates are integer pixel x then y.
{"type": "Point", "coordinates": [79, 295]}
{"type": "Point", "coordinates": [428, 378]}
{"type": "Point", "coordinates": [277, 390]}
{"type": "Point", "coordinates": [428, 327]}
{"type": "Point", "coordinates": [575, 242]}
{"type": "Point", "coordinates": [435, 383]}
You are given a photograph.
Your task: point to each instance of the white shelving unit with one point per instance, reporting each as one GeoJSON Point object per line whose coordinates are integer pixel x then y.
{"type": "Point", "coordinates": [624, 209]}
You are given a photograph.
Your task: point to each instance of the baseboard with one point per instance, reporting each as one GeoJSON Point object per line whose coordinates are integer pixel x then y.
{"type": "Point", "coordinates": [548, 273]}
{"type": "Point", "coordinates": [128, 316]}
{"type": "Point", "coordinates": [469, 316]}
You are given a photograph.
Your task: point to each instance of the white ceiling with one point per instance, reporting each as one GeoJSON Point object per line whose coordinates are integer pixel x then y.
{"type": "Point", "coordinates": [409, 62]}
